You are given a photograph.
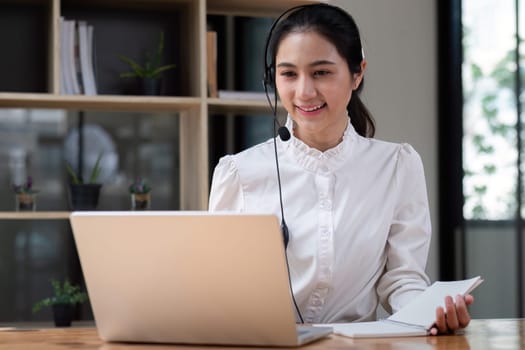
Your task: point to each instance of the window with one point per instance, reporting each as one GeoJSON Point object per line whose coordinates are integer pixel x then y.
{"type": "Point", "coordinates": [491, 236]}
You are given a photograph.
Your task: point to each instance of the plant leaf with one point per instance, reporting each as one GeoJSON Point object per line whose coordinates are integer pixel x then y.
{"type": "Point", "coordinates": [96, 170]}
{"type": "Point", "coordinates": [74, 178]}
{"type": "Point", "coordinates": [160, 49]}
{"type": "Point", "coordinates": [135, 67]}
{"type": "Point", "coordinates": [63, 293]}
{"type": "Point", "coordinates": [162, 69]}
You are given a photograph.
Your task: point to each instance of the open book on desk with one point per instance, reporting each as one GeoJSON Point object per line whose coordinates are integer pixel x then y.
{"type": "Point", "coordinates": [414, 319]}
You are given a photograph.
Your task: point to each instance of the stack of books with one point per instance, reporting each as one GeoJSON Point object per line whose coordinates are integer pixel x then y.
{"type": "Point", "coordinates": [76, 55]}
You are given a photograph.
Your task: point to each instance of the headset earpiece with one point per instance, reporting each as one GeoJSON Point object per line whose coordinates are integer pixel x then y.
{"type": "Point", "coordinates": [269, 77]}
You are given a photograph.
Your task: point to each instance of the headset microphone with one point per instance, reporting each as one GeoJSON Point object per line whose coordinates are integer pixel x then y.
{"type": "Point", "coordinates": [284, 133]}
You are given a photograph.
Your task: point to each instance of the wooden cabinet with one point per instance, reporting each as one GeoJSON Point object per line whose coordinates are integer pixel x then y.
{"type": "Point", "coordinates": [30, 67]}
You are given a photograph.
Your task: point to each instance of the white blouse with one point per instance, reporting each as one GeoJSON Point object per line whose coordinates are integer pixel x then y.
{"type": "Point", "coordinates": [357, 214]}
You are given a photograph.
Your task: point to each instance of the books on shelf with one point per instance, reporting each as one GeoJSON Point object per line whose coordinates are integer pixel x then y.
{"type": "Point", "coordinates": [66, 83]}
{"type": "Point", "coordinates": [211, 48]}
{"type": "Point", "coordinates": [414, 319]}
{"type": "Point", "coordinates": [76, 55]}
{"type": "Point", "coordinates": [85, 34]}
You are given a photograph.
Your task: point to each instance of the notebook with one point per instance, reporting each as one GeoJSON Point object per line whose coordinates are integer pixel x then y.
{"type": "Point", "coordinates": [188, 277]}
{"type": "Point", "coordinates": [414, 319]}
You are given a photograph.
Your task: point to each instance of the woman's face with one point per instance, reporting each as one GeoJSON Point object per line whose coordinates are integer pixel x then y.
{"type": "Point", "coordinates": [315, 86]}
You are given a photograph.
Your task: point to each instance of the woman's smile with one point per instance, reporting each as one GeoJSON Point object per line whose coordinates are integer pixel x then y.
{"type": "Point", "coordinates": [311, 109]}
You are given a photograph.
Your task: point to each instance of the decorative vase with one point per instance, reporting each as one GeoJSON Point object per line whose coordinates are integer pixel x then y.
{"type": "Point", "coordinates": [84, 197]}
{"type": "Point", "coordinates": [25, 201]}
{"type": "Point", "coordinates": [140, 201]}
{"type": "Point", "coordinates": [63, 314]}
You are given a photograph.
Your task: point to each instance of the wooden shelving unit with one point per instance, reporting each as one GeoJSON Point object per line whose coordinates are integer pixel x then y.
{"type": "Point", "coordinates": [35, 215]}
{"type": "Point", "coordinates": [183, 130]}
{"type": "Point", "coordinates": [187, 32]}
{"type": "Point", "coordinates": [105, 102]}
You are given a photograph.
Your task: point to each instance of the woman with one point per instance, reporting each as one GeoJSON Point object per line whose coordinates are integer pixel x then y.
{"type": "Point", "coordinates": [356, 208]}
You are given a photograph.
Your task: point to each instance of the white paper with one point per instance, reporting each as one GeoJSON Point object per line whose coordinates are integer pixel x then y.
{"type": "Point", "coordinates": [376, 329]}
{"type": "Point", "coordinates": [414, 319]}
{"type": "Point", "coordinates": [421, 310]}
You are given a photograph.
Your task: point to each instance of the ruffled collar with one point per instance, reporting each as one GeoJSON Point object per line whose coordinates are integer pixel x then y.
{"type": "Point", "coordinates": [317, 161]}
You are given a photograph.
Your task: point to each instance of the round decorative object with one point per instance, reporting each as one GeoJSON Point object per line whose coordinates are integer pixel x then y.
{"type": "Point", "coordinates": [96, 141]}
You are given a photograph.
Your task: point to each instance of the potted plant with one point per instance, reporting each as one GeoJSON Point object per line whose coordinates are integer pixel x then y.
{"type": "Point", "coordinates": [66, 297]}
{"type": "Point", "coordinates": [84, 195]}
{"type": "Point", "coordinates": [149, 74]}
{"type": "Point", "coordinates": [140, 194]}
{"type": "Point", "coordinates": [25, 195]}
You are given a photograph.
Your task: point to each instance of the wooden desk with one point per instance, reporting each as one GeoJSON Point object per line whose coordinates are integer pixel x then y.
{"type": "Point", "coordinates": [481, 334]}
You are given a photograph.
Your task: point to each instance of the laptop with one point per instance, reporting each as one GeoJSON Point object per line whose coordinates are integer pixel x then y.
{"type": "Point", "coordinates": [188, 278]}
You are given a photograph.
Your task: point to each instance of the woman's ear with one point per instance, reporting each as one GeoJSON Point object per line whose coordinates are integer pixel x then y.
{"type": "Point", "coordinates": [358, 77]}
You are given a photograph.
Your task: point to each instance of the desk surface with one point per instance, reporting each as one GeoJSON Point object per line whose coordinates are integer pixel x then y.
{"type": "Point", "coordinates": [481, 334]}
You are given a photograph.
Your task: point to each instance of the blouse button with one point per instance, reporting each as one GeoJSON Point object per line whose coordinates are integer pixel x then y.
{"type": "Point", "coordinates": [325, 204]}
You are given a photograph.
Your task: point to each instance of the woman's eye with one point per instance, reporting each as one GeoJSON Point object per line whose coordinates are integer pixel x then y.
{"type": "Point", "coordinates": [321, 73]}
{"type": "Point", "coordinates": [288, 74]}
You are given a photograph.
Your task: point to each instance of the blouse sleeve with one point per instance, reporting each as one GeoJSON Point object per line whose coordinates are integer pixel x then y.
{"type": "Point", "coordinates": [409, 237]}
{"type": "Point", "coordinates": [226, 191]}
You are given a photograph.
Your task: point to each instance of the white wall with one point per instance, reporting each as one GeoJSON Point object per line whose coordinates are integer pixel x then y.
{"type": "Point", "coordinates": [400, 43]}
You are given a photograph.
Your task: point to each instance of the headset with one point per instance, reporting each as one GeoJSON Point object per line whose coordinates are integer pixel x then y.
{"type": "Point", "coordinates": [282, 131]}
{"type": "Point", "coordinates": [269, 66]}
{"type": "Point", "coordinates": [269, 81]}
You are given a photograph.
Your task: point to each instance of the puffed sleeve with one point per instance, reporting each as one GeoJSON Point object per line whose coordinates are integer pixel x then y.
{"type": "Point", "coordinates": [409, 237]}
{"type": "Point", "coordinates": [226, 190]}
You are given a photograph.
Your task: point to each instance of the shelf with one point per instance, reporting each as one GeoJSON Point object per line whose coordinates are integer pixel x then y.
{"type": "Point", "coordinates": [34, 215]}
{"type": "Point", "coordinates": [266, 8]}
{"type": "Point", "coordinates": [223, 106]}
{"type": "Point", "coordinates": [99, 102]}
{"type": "Point", "coordinates": [126, 4]}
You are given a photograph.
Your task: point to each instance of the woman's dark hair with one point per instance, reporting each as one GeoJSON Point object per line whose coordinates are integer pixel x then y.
{"type": "Point", "coordinates": [340, 29]}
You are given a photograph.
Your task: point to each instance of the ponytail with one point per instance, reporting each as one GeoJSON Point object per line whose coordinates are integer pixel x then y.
{"type": "Point", "coordinates": [360, 117]}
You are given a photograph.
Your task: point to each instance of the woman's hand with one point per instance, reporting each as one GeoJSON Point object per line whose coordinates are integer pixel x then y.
{"type": "Point", "coordinates": [455, 317]}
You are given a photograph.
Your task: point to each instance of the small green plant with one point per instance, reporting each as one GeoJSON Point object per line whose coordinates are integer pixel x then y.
{"type": "Point", "coordinates": [64, 294]}
{"type": "Point", "coordinates": [24, 188]}
{"type": "Point", "coordinates": [76, 179]}
{"type": "Point", "coordinates": [152, 65]}
{"type": "Point", "coordinates": [139, 186]}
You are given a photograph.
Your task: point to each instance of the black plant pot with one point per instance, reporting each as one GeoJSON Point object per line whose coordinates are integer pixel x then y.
{"type": "Point", "coordinates": [63, 314]}
{"type": "Point", "coordinates": [150, 86]}
{"type": "Point", "coordinates": [84, 197]}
